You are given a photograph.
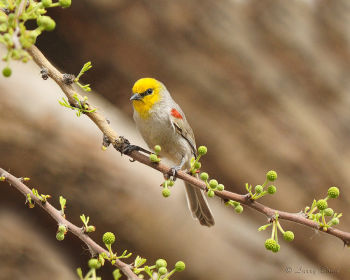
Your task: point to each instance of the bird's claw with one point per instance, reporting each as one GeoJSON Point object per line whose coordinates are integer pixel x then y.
{"type": "Point", "coordinates": [127, 149]}
{"type": "Point", "coordinates": [172, 172]}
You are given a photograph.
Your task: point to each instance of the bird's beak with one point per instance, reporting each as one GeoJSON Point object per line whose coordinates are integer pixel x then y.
{"type": "Point", "coordinates": [136, 96]}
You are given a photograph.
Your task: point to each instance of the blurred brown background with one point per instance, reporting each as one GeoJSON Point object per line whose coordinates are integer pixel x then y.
{"type": "Point", "coordinates": [264, 85]}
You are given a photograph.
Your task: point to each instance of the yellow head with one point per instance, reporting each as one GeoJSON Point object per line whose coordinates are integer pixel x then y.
{"type": "Point", "coordinates": [146, 93]}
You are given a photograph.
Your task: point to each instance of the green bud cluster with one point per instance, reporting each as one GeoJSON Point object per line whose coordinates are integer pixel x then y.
{"type": "Point", "coordinates": [272, 243]}
{"type": "Point", "coordinates": [61, 231]}
{"type": "Point", "coordinates": [155, 157]}
{"type": "Point", "coordinates": [160, 267]}
{"type": "Point", "coordinates": [236, 205]}
{"type": "Point", "coordinates": [94, 264]}
{"type": "Point", "coordinates": [195, 164]}
{"type": "Point", "coordinates": [166, 185]}
{"type": "Point", "coordinates": [212, 185]}
{"type": "Point", "coordinates": [319, 210]}
{"type": "Point", "coordinates": [13, 28]}
{"type": "Point", "coordinates": [259, 190]}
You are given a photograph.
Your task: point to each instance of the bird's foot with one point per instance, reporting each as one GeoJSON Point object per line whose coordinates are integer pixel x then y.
{"type": "Point", "coordinates": [124, 147]}
{"type": "Point", "coordinates": [172, 172]}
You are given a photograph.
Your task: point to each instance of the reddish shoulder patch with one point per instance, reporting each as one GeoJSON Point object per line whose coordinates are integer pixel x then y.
{"type": "Point", "coordinates": [176, 114]}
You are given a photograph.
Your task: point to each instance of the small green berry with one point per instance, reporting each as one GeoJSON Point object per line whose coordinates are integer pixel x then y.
{"type": "Point", "coordinates": [65, 3]}
{"type": "Point", "coordinates": [197, 165]}
{"type": "Point", "coordinates": [154, 158]}
{"type": "Point", "coordinates": [239, 209]}
{"type": "Point", "coordinates": [166, 192]}
{"type": "Point", "coordinates": [204, 176]}
{"type": "Point", "coordinates": [276, 248]}
{"type": "Point", "coordinates": [259, 189]}
{"type": "Point", "coordinates": [271, 175]}
{"type": "Point", "coordinates": [288, 235]}
{"type": "Point", "coordinates": [94, 263]}
{"type": "Point", "coordinates": [202, 150]}
{"type": "Point", "coordinates": [6, 72]}
{"type": "Point", "coordinates": [328, 212]}
{"type": "Point", "coordinates": [333, 192]}
{"type": "Point", "coordinates": [180, 266]}
{"type": "Point", "coordinates": [161, 263]}
{"type": "Point", "coordinates": [157, 149]}
{"type": "Point", "coordinates": [270, 244]}
{"type": "Point", "coordinates": [271, 189]}
{"type": "Point", "coordinates": [321, 204]}
{"type": "Point", "coordinates": [211, 193]}
{"type": "Point", "coordinates": [60, 236]}
{"type": "Point", "coordinates": [335, 221]}
{"type": "Point", "coordinates": [220, 187]}
{"type": "Point", "coordinates": [162, 270]}
{"type": "Point", "coordinates": [108, 238]}
{"type": "Point", "coordinates": [213, 183]}
{"type": "Point", "coordinates": [46, 3]}
{"type": "Point", "coordinates": [46, 23]}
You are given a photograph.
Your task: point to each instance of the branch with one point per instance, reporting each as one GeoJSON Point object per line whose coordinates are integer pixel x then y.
{"type": "Point", "coordinates": [56, 215]}
{"type": "Point", "coordinates": [120, 142]}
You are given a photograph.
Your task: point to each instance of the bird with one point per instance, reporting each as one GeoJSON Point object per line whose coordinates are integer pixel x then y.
{"type": "Point", "coordinates": [160, 121]}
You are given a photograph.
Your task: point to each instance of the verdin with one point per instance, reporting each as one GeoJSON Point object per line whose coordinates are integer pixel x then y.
{"type": "Point", "coordinates": [161, 122]}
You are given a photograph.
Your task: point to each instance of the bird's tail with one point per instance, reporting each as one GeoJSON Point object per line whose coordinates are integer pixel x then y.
{"type": "Point", "coordinates": [199, 206]}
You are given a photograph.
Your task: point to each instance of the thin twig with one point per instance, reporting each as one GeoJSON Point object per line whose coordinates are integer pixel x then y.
{"type": "Point", "coordinates": [56, 215]}
{"type": "Point", "coordinates": [118, 142]}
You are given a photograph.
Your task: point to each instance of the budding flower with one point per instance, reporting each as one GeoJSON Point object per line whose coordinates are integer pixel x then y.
{"type": "Point", "coordinates": [211, 193]}
{"type": "Point", "coordinates": [65, 3]}
{"type": "Point", "coordinates": [204, 176]}
{"type": "Point", "coordinates": [94, 263]}
{"type": "Point", "coordinates": [162, 271]}
{"type": "Point", "coordinates": [271, 189]}
{"type": "Point", "coordinates": [288, 235]}
{"type": "Point", "coordinates": [62, 228]}
{"type": "Point", "coordinates": [197, 165]}
{"type": "Point", "coordinates": [213, 183]}
{"type": "Point", "coordinates": [259, 189]}
{"type": "Point", "coordinates": [333, 192]}
{"type": "Point", "coordinates": [157, 149]}
{"type": "Point", "coordinates": [161, 263]}
{"type": "Point", "coordinates": [46, 23]}
{"type": "Point", "coordinates": [60, 236]}
{"type": "Point", "coordinates": [46, 3]}
{"type": "Point", "coordinates": [276, 248]}
{"type": "Point", "coordinates": [328, 212]}
{"type": "Point", "coordinates": [166, 192]}
{"type": "Point", "coordinates": [335, 221]}
{"type": "Point", "coordinates": [202, 150]}
{"type": "Point", "coordinates": [239, 209]}
{"type": "Point", "coordinates": [271, 175]}
{"type": "Point", "coordinates": [220, 187]}
{"type": "Point", "coordinates": [154, 158]}
{"type": "Point", "coordinates": [180, 266]}
{"type": "Point", "coordinates": [321, 204]}
{"type": "Point", "coordinates": [90, 229]}
{"type": "Point", "coordinates": [6, 72]}
{"type": "Point", "coordinates": [270, 244]}
{"type": "Point", "coordinates": [108, 238]}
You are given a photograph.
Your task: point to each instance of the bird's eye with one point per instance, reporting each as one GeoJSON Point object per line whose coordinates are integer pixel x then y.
{"type": "Point", "coordinates": [149, 91]}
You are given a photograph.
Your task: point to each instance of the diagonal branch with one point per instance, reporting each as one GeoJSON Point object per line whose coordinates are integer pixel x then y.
{"type": "Point", "coordinates": [120, 142]}
{"type": "Point", "coordinates": [56, 215]}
